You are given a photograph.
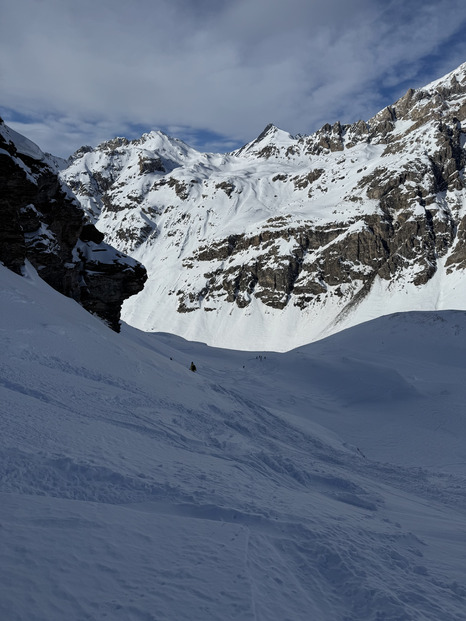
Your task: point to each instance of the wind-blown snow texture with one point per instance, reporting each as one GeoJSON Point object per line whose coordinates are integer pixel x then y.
{"type": "Point", "coordinates": [290, 238]}
{"type": "Point", "coordinates": [326, 483]}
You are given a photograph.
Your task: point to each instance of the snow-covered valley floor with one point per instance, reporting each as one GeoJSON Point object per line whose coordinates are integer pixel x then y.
{"type": "Point", "coordinates": [322, 484]}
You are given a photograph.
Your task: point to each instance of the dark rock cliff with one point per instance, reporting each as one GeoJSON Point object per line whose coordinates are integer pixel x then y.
{"type": "Point", "coordinates": [40, 221]}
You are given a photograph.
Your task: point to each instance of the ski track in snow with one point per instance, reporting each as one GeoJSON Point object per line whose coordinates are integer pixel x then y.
{"type": "Point", "coordinates": [325, 483]}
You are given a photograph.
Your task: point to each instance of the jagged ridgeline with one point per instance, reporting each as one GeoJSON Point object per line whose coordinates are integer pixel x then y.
{"type": "Point", "coordinates": [41, 222]}
{"type": "Point", "coordinates": [314, 230]}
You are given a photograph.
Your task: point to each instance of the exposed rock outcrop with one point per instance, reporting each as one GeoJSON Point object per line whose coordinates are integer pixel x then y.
{"type": "Point", "coordinates": [40, 221]}
{"type": "Point", "coordinates": [416, 219]}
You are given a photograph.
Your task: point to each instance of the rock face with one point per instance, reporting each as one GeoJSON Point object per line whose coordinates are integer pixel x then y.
{"type": "Point", "coordinates": [40, 221]}
{"type": "Point", "coordinates": [310, 223]}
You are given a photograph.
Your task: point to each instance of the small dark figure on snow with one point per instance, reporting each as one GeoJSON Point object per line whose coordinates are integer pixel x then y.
{"type": "Point", "coordinates": [192, 367]}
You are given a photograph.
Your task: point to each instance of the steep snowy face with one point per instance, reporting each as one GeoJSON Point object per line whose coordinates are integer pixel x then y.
{"type": "Point", "coordinates": [290, 238]}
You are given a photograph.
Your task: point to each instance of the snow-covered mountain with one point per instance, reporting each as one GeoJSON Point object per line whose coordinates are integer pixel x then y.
{"type": "Point", "coordinates": [290, 238]}
{"type": "Point", "coordinates": [326, 483]}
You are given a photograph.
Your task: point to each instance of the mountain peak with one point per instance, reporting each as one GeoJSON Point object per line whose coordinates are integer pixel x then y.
{"type": "Point", "coordinates": [268, 143]}
{"type": "Point", "coordinates": [157, 140]}
{"type": "Point", "coordinates": [269, 129]}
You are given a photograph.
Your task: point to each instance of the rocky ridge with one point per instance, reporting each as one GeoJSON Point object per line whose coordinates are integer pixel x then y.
{"type": "Point", "coordinates": [305, 222]}
{"type": "Point", "coordinates": [41, 221]}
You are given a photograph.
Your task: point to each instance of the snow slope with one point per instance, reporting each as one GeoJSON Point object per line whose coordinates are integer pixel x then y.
{"type": "Point", "coordinates": [324, 483]}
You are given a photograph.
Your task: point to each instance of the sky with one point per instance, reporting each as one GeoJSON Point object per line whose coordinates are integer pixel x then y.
{"type": "Point", "coordinates": [214, 72]}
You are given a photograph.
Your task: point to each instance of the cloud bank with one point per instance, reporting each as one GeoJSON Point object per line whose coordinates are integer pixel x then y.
{"type": "Point", "coordinates": [216, 70]}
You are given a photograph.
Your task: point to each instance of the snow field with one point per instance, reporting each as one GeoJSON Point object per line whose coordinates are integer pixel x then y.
{"type": "Point", "coordinates": [324, 483]}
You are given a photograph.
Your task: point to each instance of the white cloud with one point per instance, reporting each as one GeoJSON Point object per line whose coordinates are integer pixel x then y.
{"type": "Point", "coordinates": [225, 66]}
